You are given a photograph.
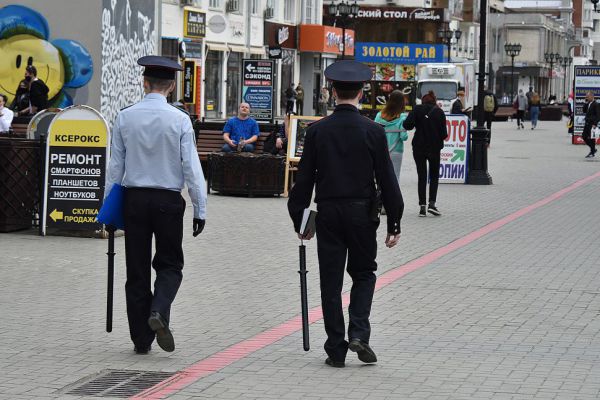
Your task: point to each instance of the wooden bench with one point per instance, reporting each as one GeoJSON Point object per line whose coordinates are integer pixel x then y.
{"type": "Point", "coordinates": [504, 113]}
{"type": "Point", "coordinates": [209, 139]}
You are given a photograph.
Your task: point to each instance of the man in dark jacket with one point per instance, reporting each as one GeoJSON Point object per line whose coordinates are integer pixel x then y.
{"type": "Point", "coordinates": [38, 92]}
{"type": "Point", "coordinates": [428, 141]}
{"type": "Point", "coordinates": [592, 116]}
{"type": "Point", "coordinates": [344, 155]}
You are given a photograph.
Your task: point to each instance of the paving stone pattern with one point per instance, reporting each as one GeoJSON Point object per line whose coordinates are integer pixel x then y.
{"type": "Point", "coordinates": [513, 315]}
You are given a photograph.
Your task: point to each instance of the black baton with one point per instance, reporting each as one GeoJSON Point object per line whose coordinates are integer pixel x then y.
{"type": "Point", "coordinates": [304, 298]}
{"type": "Point", "coordinates": [111, 278]}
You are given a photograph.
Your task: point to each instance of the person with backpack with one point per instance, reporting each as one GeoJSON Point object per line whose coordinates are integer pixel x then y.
{"type": "Point", "coordinates": [534, 109]}
{"type": "Point", "coordinates": [428, 142]}
{"type": "Point", "coordinates": [490, 106]}
{"type": "Point", "coordinates": [520, 105]}
{"type": "Point", "coordinates": [290, 97]}
{"type": "Point", "coordinates": [392, 117]}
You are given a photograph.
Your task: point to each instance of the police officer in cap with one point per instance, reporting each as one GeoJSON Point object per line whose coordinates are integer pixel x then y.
{"type": "Point", "coordinates": [344, 155]}
{"type": "Point", "coordinates": [153, 153]}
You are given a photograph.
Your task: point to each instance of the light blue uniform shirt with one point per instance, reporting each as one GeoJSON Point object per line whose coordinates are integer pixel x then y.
{"type": "Point", "coordinates": [153, 146]}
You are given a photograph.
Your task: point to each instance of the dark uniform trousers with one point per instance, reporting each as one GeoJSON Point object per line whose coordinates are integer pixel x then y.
{"type": "Point", "coordinates": [587, 136]}
{"type": "Point", "coordinates": [151, 212]}
{"type": "Point", "coordinates": [344, 229]}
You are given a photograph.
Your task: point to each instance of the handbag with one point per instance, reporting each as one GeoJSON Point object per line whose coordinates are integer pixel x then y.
{"type": "Point", "coordinates": [516, 104]}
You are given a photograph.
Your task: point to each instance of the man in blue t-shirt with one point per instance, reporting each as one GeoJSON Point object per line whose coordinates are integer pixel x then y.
{"type": "Point", "coordinates": [240, 132]}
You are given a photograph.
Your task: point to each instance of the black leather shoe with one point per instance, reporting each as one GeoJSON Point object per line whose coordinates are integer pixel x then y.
{"type": "Point", "coordinates": [335, 364]}
{"type": "Point", "coordinates": [142, 350]}
{"type": "Point", "coordinates": [164, 338]}
{"type": "Point", "coordinates": [364, 351]}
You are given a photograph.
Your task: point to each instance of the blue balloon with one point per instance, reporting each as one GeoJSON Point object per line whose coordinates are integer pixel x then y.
{"type": "Point", "coordinates": [21, 20]}
{"type": "Point", "coordinates": [61, 100]}
{"type": "Point", "coordinates": [79, 66]}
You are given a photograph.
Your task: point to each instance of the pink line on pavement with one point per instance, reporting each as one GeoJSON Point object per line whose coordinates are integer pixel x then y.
{"type": "Point", "coordinates": [240, 350]}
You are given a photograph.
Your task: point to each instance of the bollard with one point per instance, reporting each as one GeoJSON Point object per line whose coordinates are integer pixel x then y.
{"type": "Point", "coordinates": [478, 165]}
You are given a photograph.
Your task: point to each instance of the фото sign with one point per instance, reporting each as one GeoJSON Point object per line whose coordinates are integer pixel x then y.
{"type": "Point", "coordinates": [454, 155]}
{"type": "Point", "coordinates": [399, 53]}
{"type": "Point", "coordinates": [76, 156]}
{"type": "Point", "coordinates": [257, 88]}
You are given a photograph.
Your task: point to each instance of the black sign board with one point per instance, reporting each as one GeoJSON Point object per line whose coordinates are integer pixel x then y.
{"type": "Point", "coordinates": [189, 70]}
{"type": "Point", "coordinates": [275, 52]}
{"type": "Point", "coordinates": [193, 50]}
{"type": "Point", "coordinates": [194, 24]}
{"type": "Point", "coordinates": [76, 156]}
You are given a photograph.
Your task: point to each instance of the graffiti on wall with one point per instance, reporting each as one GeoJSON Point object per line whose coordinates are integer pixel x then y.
{"type": "Point", "coordinates": [128, 33]}
{"type": "Point", "coordinates": [24, 40]}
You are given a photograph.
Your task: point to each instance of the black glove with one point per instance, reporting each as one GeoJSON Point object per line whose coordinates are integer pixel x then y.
{"type": "Point", "coordinates": [198, 226]}
{"type": "Point", "coordinates": [110, 228]}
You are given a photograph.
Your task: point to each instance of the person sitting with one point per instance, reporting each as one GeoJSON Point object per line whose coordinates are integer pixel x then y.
{"type": "Point", "coordinates": [6, 115]}
{"type": "Point", "coordinates": [277, 142]}
{"type": "Point", "coordinates": [240, 132]}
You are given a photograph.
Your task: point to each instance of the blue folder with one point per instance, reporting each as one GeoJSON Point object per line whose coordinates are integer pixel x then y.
{"type": "Point", "coordinates": [111, 212]}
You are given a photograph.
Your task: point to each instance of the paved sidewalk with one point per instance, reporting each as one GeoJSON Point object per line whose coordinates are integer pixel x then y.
{"type": "Point", "coordinates": [512, 314]}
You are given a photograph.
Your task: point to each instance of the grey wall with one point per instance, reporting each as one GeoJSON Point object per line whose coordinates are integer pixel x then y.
{"type": "Point", "coordinates": [77, 20]}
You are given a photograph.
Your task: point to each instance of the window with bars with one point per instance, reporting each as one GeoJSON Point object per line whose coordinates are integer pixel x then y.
{"type": "Point", "coordinates": [288, 10]}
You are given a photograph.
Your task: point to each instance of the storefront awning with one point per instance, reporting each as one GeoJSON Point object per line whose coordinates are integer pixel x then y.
{"type": "Point", "coordinates": [238, 49]}
{"type": "Point", "coordinates": [257, 50]}
{"type": "Point", "coordinates": [217, 47]}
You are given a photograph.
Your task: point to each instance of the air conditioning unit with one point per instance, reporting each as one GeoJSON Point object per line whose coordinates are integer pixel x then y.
{"type": "Point", "coordinates": [269, 12]}
{"type": "Point", "coordinates": [183, 3]}
{"type": "Point", "coordinates": [232, 6]}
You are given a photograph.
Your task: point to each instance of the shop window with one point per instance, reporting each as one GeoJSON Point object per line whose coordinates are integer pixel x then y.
{"type": "Point", "coordinates": [212, 92]}
{"type": "Point", "coordinates": [254, 7]}
{"type": "Point", "coordinates": [234, 65]}
{"type": "Point", "coordinates": [215, 4]}
{"type": "Point", "coordinates": [170, 49]}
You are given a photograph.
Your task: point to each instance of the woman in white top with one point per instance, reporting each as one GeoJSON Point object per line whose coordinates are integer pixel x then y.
{"type": "Point", "coordinates": [6, 115]}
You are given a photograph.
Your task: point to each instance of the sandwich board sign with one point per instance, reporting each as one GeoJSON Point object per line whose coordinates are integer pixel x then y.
{"type": "Point", "coordinates": [77, 150]}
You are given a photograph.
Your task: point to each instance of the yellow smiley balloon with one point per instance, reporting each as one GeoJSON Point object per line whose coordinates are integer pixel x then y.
{"type": "Point", "coordinates": [19, 51]}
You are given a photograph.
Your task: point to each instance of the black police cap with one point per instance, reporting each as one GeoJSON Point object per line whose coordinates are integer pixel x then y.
{"type": "Point", "coordinates": [159, 67]}
{"type": "Point", "coordinates": [348, 74]}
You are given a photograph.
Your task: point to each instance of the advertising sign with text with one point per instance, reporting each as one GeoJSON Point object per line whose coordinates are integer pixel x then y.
{"type": "Point", "coordinates": [76, 157]}
{"type": "Point", "coordinates": [587, 79]}
{"type": "Point", "coordinates": [257, 88]}
{"type": "Point", "coordinates": [399, 53]}
{"type": "Point", "coordinates": [454, 155]}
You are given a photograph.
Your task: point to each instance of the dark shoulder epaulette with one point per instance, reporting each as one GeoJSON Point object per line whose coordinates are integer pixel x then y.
{"type": "Point", "coordinates": [180, 109]}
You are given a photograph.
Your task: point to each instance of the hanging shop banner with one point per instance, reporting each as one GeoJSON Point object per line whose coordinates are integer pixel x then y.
{"type": "Point", "coordinates": [454, 155]}
{"type": "Point", "coordinates": [401, 13]}
{"type": "Point", "coordinates": [77, 150]}
{"type": "Point", "coordinates": [194, 24]}
{"type": "Point", "coordinates": [189, 88]}
{"type": "Point", "coordinates": [198, 101]}
{"type": "Point", "coordinates": [399, 53]}
{"type": "Point", "coordinates": [587, 79]}
{"type": "Point", "coordinates": [257, 88]}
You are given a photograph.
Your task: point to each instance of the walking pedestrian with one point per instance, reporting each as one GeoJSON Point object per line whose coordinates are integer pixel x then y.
{"type": "Point", "coordinates": [153, 154]}
{"type": "Point", "coordinates": [520, 104]}
{"type": "Point", "coordinates": [342, 155]}
{"type": "Point", "coordinates": [534, 109]}
{"type": "Point", "coordinates": [490, 106]}
{"type": "Point", "coordinates": [299, 99]}
{"type": "Point", "coordinates": [290, 97]}
{"type": "Point", "coordinates": [392, 117]}
{"type": "Point", "coordinates": [428, 141]}
{"type": "Point", "coordinates": [592, 117]}
{"type": "Point", "coordinates": [323, 101]}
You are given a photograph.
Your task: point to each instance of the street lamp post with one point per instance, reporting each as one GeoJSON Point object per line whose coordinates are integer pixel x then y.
{"type": "Point", "coordinates": [343, 12]}
{"type": "Point", "coordinates": [512, 50]}
{"type": "Point", "coordinates": [446, 35]}
{"type": "Point", "coordinates": [566, 63]}
{"type": "Point", "coordinates": [551, 58]}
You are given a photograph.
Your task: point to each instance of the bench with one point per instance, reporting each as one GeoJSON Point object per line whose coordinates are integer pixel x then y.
{"type": "Point", "coordinates": [209, 141]}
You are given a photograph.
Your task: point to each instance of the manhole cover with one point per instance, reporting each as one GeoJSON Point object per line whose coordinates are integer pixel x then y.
{"type": "Point", "coordinates": [516, 158]}
{"type": "Point", "coordinates": [517, 140]}
{"type": "Point", "coordinates": [117, 383]}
